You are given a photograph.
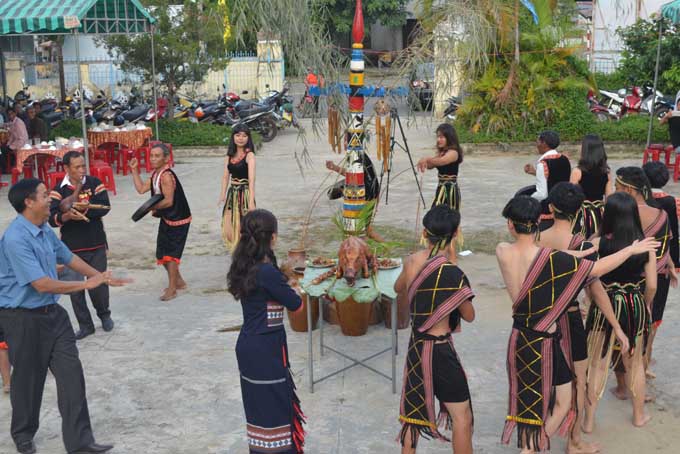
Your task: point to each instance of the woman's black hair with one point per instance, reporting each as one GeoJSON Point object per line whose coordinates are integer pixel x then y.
{"type": "Point", "coordinates": [657, 174]}
{"type": "Point", "coordinates": [253, 248]}
{"type": "Point", "coordinates": [566, 199]}
{"type": "Point", "coordinates": [634, 178]}
{"type": "Point", "coordinates": [524, 213]}
{"type": "Point", "coordinates": [231, 151]}
{"type": "Point", "coordinates": [22, 190]}
{"type": "Point", "coordinates": [452, 142]}
{"type": "Point", "coordinates": [621, 226]}
{"type": "Point", "coordinates": [593, 156]}
{"type": "Point", "coordinates": [441, 224]}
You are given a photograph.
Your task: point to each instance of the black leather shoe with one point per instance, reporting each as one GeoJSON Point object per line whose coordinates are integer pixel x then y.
{"type": "Point", "coordinates": [83, 333]}
{"type": "Point", "coordinates": [27, 448]}
{"type": "Point", "coordinates": [107, 324]}
{"type": "Point", "coordinates": [93, 448]}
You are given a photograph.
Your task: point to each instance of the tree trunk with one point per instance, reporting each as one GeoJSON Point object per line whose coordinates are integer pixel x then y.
{"type": "Point", "coordinates": [517, 31]}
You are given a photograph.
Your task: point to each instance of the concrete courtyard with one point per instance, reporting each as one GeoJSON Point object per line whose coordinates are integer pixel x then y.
{"type": "Point", "coordinates": [165, 381]}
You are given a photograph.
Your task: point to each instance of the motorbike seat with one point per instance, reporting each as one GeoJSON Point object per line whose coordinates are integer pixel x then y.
{"type": "Point", "coordinates": [254, 110]}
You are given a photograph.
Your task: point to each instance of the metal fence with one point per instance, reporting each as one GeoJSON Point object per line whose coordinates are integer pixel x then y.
{"type": "Point", "coordinates": [241, 73]}
{"type": "Point", "coordinates": [605, 66]}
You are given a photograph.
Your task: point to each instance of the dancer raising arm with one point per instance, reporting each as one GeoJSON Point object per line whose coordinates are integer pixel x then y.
{"type": "Point", "coordinates": [447, 160]}
{"type": "Point", "coordinates": [536, 373]}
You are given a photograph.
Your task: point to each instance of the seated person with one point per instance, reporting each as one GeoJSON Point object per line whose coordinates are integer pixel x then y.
{"type": "Point", "coordinates": [18, 136]}
{"type": "Point", "coordinates": [37, 128]}
{"type": "Point", "coordinates": [674, 124]}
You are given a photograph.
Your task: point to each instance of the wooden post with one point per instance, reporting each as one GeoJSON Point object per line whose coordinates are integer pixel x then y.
{"type": "Point", "coordinates": [355, 193]}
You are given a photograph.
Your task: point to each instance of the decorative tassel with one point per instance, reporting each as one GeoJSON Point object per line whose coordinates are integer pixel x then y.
{"type": "Point", "coordinates": [299, 418]}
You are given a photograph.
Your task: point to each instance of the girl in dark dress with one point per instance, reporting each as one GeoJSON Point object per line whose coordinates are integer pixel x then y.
{"type": "Point", "coordinates": [239, 177]}
{"type": "Point", "coordinates": [448, 158]}
{"type": "Point", "coordinates": [594, 177]}
{"type": "Point", "coordinates": [658, 176]}
{"type": "Point", "coordinates": [273, 415]}
{"type": "Point", "coordinates": [631, 289]}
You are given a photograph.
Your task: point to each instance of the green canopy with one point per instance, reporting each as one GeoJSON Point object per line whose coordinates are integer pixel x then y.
{"type": "Point", "coordinates": [671, 11]}
{"type": "Point", "coordinates": [64, 16]}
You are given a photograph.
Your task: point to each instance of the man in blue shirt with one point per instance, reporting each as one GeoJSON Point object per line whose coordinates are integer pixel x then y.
{"type": "Point", "coordinates": [38, 331]}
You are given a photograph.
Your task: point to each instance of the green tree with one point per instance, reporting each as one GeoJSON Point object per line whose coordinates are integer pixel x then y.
{"type": "Point", "coordinates": [337, 15]}
{"type": "Point", "coordinates": [189, 42]}
{"type": "Point", "coordinates": [639, 54]}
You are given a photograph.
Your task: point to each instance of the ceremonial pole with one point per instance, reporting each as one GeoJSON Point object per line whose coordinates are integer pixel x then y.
{"type": "Point", "coordinates": [355, 192]}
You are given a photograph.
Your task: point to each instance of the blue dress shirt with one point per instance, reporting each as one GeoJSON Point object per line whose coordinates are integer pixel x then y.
{"type": "Point", "coordinates": [27, 253]}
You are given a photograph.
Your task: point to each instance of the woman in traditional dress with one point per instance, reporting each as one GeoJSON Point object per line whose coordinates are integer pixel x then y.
{"type": "Point", "coordinates": [239, 177]}
{"type": "Point", "coordinates": [657, 174]}
{"type": "Point", "coordinates": [631, 288]}
{"type": "Point", "coordinates": [447, 159]}
{"type": "Point", "coordinates": [273, 415]}
{"type": "Point", "coordinates": [594, 177]}
{"type": "Point", "coordinates": [440, 296]}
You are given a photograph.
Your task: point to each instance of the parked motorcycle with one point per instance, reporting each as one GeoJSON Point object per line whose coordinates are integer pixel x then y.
{"type": "Point", "coordinates": [260, 119]}
{"type": "Point", "coordinates": [631, 102]}
{"type": "Point", "coordinates": [601, 112]}
{"type": "Point", "coordinates": [662, 104]}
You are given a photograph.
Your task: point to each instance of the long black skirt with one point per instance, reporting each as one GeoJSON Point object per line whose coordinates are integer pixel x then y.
{"type": "Point", "coordinates": [273, 415]}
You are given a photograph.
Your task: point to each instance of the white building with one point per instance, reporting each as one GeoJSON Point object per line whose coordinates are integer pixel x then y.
{"type": "Point", "coordinates": [606, 16]}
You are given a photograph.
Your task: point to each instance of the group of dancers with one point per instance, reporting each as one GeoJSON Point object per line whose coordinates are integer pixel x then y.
{"type": "Point", "coordinates": [588, 272]}
{"type": "Point", "coordinates": [575, 232]}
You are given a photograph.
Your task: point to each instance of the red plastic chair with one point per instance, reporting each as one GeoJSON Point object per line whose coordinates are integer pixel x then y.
{"type": "Point", "coordinates": [123, 159]}
{"type": "Point", "coordinates": [143, 155]}
{"type": "Point", "coordinates": [653, 151]}
{"type": "Point", "coordinates": [27, 172]}
{"type": "Point", "coordinates": [109, 151]}
{"type": "Point", "coordinates": [54, 179]}
{"type": "Point", "coordinates": [672, 162]}
{"type": "Point", "coordinates": [105, 174]}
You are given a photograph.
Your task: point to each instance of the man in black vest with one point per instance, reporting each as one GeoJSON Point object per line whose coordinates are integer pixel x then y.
{"type": "Point", "coordinates": [552, 168]}
{"type": "Point", "coordinates": [174, 212]}
{"type": "Point", "coordinates": [82, 230]}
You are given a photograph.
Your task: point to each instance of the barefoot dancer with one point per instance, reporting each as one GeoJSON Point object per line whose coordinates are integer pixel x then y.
{"type": "Point", "coordinates": [174, 213]}
{"type": "Point", "coordinates": [633, 181]}
{"type": "Point", "coordinates": [239, 177]}
{"type": "Point", "coordinates": [594, 177]}
{"type": "Point", "coordinates": [657, 174]}
{"type": "Point", "coordinates": [620, 227]}
{"type": "Point", "coordinates": [537, 368]}
{"type": "Point", "coordinates": [273, 415]}
{"type": "Point", "coordinates": [448, 158]}
{"type": "Point", "coordinates": [440, 296]}
{"type": "Point", "coordinates": [565, 202]}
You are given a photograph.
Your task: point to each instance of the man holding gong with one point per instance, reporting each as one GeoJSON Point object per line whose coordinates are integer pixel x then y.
{"type": "Point", "coordinates": [173, 209]}
{"type": "Point", "coordinates": [78, 204]}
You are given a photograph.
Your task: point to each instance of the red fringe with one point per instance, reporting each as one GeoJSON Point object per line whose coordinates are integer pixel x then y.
{"type": "Point", "coordinates": [299, 419]}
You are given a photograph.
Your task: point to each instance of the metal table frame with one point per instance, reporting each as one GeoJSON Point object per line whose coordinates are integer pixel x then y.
{"type": "Point", "coordinates": [355, 361]}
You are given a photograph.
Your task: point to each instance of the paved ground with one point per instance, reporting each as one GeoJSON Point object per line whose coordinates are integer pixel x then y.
{"type": "Point", "coordinates": [165, 381]}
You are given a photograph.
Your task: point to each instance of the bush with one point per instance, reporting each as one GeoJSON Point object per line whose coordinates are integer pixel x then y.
{"type": "Point", "coordinates": [573, 121]}
{"type": "Point", "coordinates": [178, 133]}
